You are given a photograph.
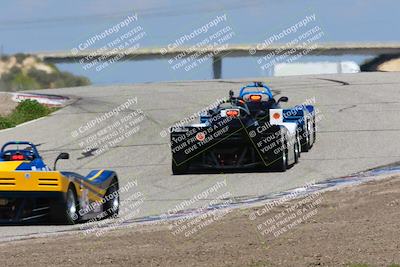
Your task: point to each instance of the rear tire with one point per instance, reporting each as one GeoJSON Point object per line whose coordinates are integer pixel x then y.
{"type": "Point", "coordinates": [281, 163]}
{"type": "Point", "coordinates": [298, 140]}
{"type": "Point", "coordinates": [68, 211]}
{"type": "Point", "coordinates": [296, 153]}
{"type": "Point", "coordinates": [305, 138]}
{"type": "Point", "coordinates": [111, 206]}
{"type": "Point", "coordinates": [314, 131]}
{"type": "Point", "coordinates": [179, 169]}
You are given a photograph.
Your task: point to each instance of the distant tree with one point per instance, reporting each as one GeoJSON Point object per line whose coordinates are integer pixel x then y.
{"type": "Point", "coordinates": [20, 57]}
{"type": "Point", "coordinates": [16, 79]}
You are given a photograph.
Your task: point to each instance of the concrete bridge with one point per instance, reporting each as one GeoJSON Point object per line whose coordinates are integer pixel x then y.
{"type": "Point", "coordinates": [217, 53]}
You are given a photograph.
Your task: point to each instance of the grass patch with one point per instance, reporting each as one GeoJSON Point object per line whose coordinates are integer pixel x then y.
{"type": "Point", "coordinates": [26, 110]}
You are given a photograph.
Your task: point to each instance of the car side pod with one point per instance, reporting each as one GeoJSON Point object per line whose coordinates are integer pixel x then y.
{"type": "Point", "coordinates": [288, 154]}
{"type": "Point", "coordinates": [30, 192]}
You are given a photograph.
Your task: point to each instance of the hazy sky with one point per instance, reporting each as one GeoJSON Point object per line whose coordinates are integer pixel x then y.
{"type": "Point", "coordinates": [32, 25]}
{"type": "Point", "coordinates": [45, 25]}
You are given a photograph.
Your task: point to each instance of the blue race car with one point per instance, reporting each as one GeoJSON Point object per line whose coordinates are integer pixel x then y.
{"type": "Point", "coordinates": [247, 131]}
{"type": "Point", "coordinates": [303, 115]}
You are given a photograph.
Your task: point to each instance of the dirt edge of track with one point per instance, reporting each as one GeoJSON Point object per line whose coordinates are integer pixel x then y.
{"type": "Point", "coordinates": [358, 224]}
{"type": "Point", "coordinates": [6, 104]}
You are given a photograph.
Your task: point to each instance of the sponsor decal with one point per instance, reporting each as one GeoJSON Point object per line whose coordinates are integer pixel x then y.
{"type": "Point", "coordinates": [200, 136]}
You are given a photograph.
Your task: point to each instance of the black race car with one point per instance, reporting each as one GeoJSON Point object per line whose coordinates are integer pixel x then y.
{"type": "Point", "coordinates": [248, 131]}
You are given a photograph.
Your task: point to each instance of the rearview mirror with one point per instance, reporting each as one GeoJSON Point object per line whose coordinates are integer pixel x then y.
{"type": "Point", "coordinates": [283, 99]}
{"type": "Point", "coordinates": [61, 156]}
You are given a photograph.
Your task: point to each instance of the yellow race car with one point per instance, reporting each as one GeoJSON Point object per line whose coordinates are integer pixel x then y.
{"type": "Point", "coordinates": [30, 191]}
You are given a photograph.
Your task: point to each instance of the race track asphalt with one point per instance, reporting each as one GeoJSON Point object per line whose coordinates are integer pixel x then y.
{"type": "Point", "coordinates": [359, 129]}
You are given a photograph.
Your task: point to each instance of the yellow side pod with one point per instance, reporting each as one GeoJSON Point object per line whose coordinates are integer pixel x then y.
{"type": "Point", "coordinates": [33, 181]}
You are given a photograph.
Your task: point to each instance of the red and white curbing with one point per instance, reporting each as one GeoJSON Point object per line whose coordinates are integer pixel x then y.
{"type": "Point", "coordinates": [48, 100]}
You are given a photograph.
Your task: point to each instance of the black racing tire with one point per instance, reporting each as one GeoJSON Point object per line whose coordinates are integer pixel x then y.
{"type": "Point", "coordinates": [314, 130]}
{"type": "Point", "coordinates": [179, 169]}
{"type": "Point", "coordinates": [281, 162]}
{"type": "Point", "coordinates": [296, 153]}
{"type": "Point", "coordinates": [68, 211]}
{"type": "Point", "coordinates": [112, 201]}
{"type": "Point", "coordinates": [305, 139]}
{"type": "Point", "coordinates": [298, 141]}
